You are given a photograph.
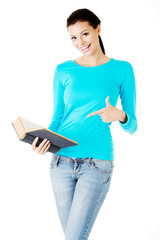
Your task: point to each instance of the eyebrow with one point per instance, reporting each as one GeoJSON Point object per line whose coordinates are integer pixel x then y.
{"type": "Point", "coordinates": [82, 31]}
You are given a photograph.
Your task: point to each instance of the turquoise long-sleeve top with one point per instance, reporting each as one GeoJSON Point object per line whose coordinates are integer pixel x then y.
{"type": "Point", "coordinates": [79, 91]}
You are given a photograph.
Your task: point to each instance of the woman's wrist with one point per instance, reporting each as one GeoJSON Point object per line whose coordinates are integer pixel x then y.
{"type": "Point", "coordinates": [123, 117]}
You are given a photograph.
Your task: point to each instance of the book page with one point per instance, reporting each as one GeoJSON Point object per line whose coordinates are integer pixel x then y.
{"type": "Point", "coordinates": [28, 124]}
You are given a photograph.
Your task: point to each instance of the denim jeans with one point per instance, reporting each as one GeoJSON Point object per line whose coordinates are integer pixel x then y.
{"type": "Point", "coordinates": [80, 186]}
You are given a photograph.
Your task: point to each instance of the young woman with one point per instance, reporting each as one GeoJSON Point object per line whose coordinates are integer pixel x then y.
{"type": "Point", "coordinates": [86, 91]}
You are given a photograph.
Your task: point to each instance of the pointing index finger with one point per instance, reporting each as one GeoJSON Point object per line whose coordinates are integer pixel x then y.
{"type": "Point", "coordinates": [94, 113]}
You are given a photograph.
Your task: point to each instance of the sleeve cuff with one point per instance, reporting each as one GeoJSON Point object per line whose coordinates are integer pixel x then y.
{"type": "Point", "coordinates": [126, 119]}
{"type": "Point", "coordinates": [126, 122]}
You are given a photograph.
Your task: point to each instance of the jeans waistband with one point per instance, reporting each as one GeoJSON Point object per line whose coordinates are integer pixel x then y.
{"type": "Point", "coordinates": [75, 159]}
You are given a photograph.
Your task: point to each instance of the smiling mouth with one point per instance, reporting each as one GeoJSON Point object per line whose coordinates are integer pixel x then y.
{"type": "Point", "coordinates": [85, 47]}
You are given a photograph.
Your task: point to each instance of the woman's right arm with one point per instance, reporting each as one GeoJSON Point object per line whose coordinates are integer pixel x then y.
{"type": "Point", "coordinates": [58, 112]}
{"type": "Point", "coordinates": [58, 101]}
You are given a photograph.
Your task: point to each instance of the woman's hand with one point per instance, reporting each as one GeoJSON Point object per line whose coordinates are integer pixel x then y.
{"type": "Point", "coordinates": [110, 113]}
{"type": "Point", "coordinates": [43, 146]}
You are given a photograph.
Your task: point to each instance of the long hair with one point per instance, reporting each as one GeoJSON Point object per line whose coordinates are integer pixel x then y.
{"type": "Point", "coordinates": [85, 15]}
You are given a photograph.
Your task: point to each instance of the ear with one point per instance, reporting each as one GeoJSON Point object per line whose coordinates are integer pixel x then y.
{"type": "Point", "coordinates": [98, 29]}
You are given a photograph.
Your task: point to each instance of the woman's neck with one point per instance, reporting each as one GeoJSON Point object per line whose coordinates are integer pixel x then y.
{"type": "Point", "coordinates": [90, 61]}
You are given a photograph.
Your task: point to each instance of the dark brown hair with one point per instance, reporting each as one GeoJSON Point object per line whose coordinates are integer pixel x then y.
{"type": "Point", "coordinates": [85, 15]}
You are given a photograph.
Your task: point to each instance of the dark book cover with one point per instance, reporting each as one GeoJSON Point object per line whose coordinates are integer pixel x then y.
{"type": "Point", "coordinates": [28, 131]}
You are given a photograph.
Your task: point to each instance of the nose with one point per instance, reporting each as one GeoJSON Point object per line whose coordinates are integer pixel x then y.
{"type": "Point", "coordinates": [81, 42]}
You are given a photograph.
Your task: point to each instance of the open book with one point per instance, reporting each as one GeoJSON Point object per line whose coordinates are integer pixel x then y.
{"type": "Point", "coordinates": [27, 131]}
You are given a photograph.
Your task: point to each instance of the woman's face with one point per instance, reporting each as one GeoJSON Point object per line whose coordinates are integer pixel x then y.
{"type": "Point", "coordinates": [84, 37]}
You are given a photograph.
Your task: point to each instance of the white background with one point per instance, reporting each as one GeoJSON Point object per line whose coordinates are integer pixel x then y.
{"type": "Point", "coordinates": [34, 39]}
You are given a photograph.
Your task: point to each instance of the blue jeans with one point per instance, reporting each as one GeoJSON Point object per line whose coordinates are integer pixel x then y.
{"type": "Point", "coordinates": [80, 186]}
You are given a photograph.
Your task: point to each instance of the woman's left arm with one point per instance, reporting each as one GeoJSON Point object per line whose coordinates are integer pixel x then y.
{"type": "Point", "coordinates": [128, 100]}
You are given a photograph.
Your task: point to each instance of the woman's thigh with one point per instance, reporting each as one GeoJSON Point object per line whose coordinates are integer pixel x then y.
{"type": "Point", "coordinates": [91, 189]}
{"type": "Point", "coordinates": [63, 186]}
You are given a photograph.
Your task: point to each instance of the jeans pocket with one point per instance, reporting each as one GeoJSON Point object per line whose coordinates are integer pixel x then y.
{"type": "Point", "coordinates": [53, 161]}
{"type": "Point", "coordinates": [103, 166]}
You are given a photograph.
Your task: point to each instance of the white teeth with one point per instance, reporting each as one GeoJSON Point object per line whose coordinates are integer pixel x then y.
{"type": "Point", "coordinates": [84, 47]}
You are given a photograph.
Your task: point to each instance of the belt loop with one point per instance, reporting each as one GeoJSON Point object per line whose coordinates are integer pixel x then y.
{"type": "Point", "coordinates": [90, 160]}
{"type": "Point", "coordinates": [113, 163]}
{"type": "Point", "coordinates": [57, 160]}
{"type": "Point", "coordinates": [74, 161]}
